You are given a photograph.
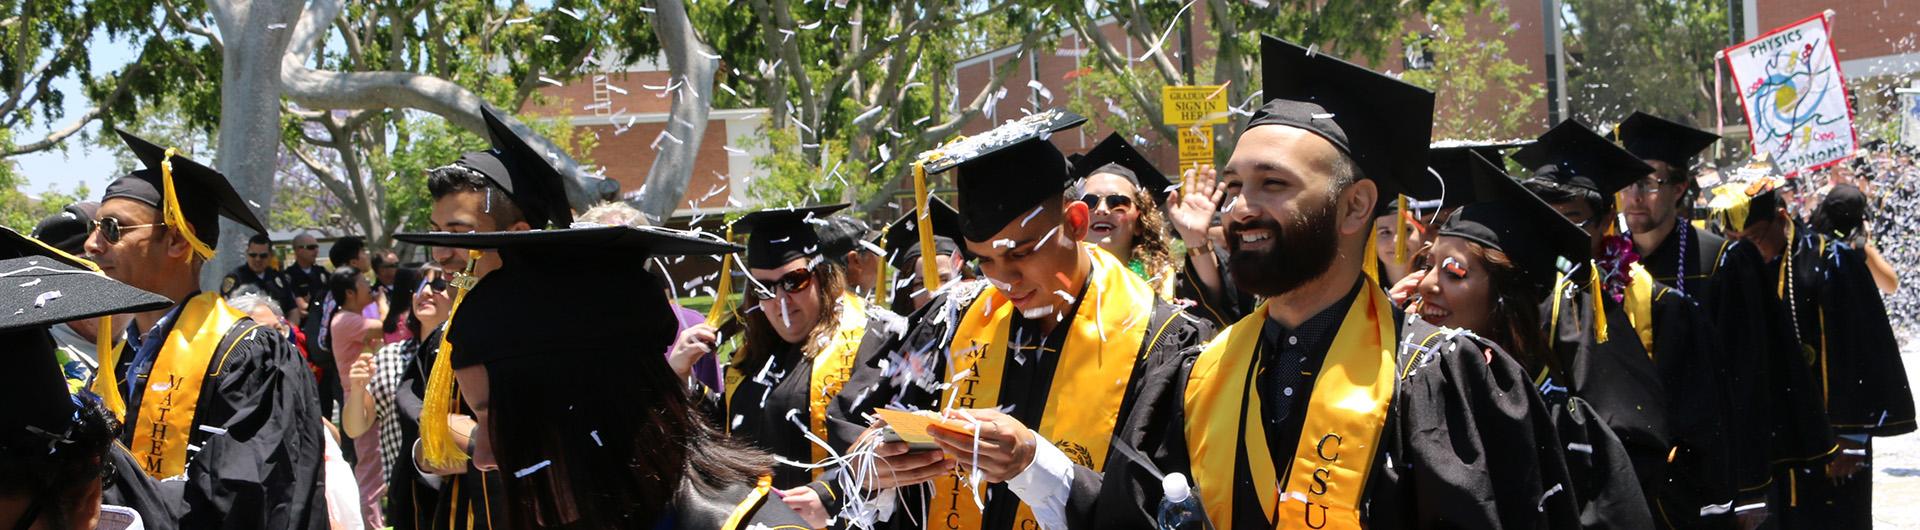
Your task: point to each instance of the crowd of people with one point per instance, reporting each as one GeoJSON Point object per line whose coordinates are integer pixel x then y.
{"type": "Point", "coordinates": [1347, 325]}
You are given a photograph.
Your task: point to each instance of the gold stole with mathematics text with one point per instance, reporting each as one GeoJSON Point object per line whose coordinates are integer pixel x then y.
{"type": "Point", "coordinates": [1083, 400]}
{"type": "Point", "coordinates": [172, 389]}
{"type": "Point", "coordinates": [1328, 472]}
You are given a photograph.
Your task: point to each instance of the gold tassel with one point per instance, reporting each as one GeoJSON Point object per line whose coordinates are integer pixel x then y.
{"type": "Point", "coordinates": [882, 289]}
{"type": "Point", "coordinates": [436, 443]}
{"type": "Point", "coordinates": [1599, 309]}
{"type": "Point", "coordinates": [1400, 233]}
{"type": "Point", "coordinates": [106, 383]}
{"type": "Point", "coordinates": [724, 291]}
{"type": "Point", "coordinates": [174, 217]}
{"type": "Point", "coordinates": [929, 268]}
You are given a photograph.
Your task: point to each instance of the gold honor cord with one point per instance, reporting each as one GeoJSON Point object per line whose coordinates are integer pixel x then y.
{"type": "Point", "coordinates": [170, 209]}
{"type": "Point", "coordinates": [436, 441]}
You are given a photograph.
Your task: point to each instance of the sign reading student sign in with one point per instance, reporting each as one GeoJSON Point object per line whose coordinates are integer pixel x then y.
{"type": "Point", "coordinates": [1193, 105]}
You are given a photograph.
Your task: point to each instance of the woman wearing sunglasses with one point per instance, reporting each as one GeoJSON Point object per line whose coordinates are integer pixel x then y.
{"type": "Point", "coordinates": [1123, 193]}
{"type": "Point", "coordinates": [399, 379]}
{"type": "Point", "coordinates": [802, 334]}
{"type": "Point", "coordinates": [1487, 270]}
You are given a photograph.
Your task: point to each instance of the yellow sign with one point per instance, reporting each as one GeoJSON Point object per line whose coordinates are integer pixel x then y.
{"type": "Point", "coordinates": [1196, 146]}
{"type": "Point", "coordinates": [1193, 105]}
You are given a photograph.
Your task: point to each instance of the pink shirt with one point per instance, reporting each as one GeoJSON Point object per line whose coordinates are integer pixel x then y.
{"type": "Point", "coordinates": [349, 336]}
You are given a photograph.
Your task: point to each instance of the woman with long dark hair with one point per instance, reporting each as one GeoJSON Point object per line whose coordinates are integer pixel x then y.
{"type": "Point", "coordinates": [802, 334]}
{"type": "Point", "coordinates": [588, 425]}
{"type": "Point", "coordinates": [1488, 270]}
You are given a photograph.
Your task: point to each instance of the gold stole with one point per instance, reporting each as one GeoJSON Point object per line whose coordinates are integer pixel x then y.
{"type": "Point", "coordinates": [832, 366]}
{"type": "Point", "coordinates": [1083, 400]}
{"type": "Point", "coordinates": [1341, 433]}
{"type": "Point", "coordinates": [172, 390]}
{"type": "Point", "coordinates": [1637, 303]}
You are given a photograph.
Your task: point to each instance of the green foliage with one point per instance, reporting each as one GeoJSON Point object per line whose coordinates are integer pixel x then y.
{"type": "Point", "coordinates": [1660, 63]}
{"type": "Point", "coordinates": [1473, 77]}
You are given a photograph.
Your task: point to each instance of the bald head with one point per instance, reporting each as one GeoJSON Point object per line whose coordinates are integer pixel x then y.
{"type": "Point", "coordinates": [305, 250]}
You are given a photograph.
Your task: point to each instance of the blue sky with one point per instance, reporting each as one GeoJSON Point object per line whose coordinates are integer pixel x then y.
{"type": "Point", "coordinates": [79, 162]}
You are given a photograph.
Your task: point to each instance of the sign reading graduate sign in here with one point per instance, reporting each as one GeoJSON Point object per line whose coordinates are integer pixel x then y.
{"type": "Point", "coordinates": [1794, 95]}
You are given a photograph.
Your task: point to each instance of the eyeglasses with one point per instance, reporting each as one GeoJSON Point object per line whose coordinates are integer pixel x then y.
{"type": "Point", "coordinates": [259, 255]}
{"type": "Point", "coordinates": [1114, 202]}
{"type": "Point", "coordinates": [307, 247]}
{"type": "Point", "coordinates": [792, 282]}
{"type": "Point", "coordinates": [110, 227]}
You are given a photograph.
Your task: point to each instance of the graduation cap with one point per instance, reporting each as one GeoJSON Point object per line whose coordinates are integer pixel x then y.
{"type": "Point", "coordinates": [69, 229]}
{"type": "Point", "coordinates": [17, 245]}
{"type": "Point", "coordinates": [41, 292]}
{"type": "Point", "coordinates": [1006, 171]}
{"type": "Point", "coordinates": [1732, 204]}
{"type": "Point", "coordinates": [535, 186]}
{"type": "Point", "coordinates": [1114, 156]}
{"type": "Point", "coordinates": [1572, 155]}
{"type": "Point", "coordinates": [1504, 216]}
{"type": "Point", "coordinates": [839, 236]}
{"type": "Point", "coordinates": [902, 237]}
{"type": "Point", "coordinates": [775, 237]}
{"type": "Point", "coordinates": [495, 319]}
{"type": "Point", "coordinates": [1652, 138]}
{"type": "Point", "coordinates": [191, 197]}
{"type": "Point", "coordinates": [1383, 123]}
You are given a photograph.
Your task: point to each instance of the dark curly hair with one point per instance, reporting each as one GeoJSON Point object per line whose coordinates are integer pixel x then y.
{"type": "Point", "coordinates": [67, 476]}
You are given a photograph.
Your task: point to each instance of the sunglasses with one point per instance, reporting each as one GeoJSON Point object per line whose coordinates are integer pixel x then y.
{"type": "Point", "coordinates": [1115, 201]}
{"type": "Point", "coordinates": [434, 283]}
{"type": "Point", "coordinates": [111, 228]}
{"type": "Point", "coordinates": [259, 255]}
{"type": "Point", "coordinates": [307, 247]}
{"type": "Point", "coordinates": [792, 282]}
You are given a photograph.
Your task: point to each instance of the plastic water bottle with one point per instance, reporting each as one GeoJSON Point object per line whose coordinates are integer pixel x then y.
{"type": "Point", "coordinates": [1180, 509]}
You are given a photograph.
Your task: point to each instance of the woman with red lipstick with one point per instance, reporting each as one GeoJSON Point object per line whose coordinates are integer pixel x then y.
{"type": "Point", "coordinates": [1487, 271]}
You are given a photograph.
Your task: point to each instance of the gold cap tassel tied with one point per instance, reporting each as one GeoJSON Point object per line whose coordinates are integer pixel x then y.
{"type": "Point", "coordinates": [436, 442]}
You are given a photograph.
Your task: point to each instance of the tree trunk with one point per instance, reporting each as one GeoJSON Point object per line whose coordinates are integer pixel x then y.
{"type": "Point", "coordinates": [254, 36]}
{"type": "Point", "coordinates": [688, 60]}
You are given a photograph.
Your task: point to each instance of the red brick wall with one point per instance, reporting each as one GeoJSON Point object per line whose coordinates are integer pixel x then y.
{"type": "Point", "coordinates": [627, 157]}
{"type": "Point", "coordinates": [1861, 28]}
{"type": "Point", "coordinates": [570, 99]}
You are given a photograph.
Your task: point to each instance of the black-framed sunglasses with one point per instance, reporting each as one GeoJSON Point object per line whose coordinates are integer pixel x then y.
{"type": "Point", "coordinates": [307, 247]}
{"type": "Point", "coordinates": [259, 255]}
{"type": "Point", "coordinates": [432, 283]}
{"type": "Point", "coordinates": [1115, 201]}
{"type": "Point", "coordinates": [789, 283]}
{"type": "Point", "coordinates": [111, 228]}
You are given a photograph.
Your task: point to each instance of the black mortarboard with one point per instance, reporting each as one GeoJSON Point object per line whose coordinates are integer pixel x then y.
{"type": "Point", "coordinates": [839, 236]}
{"type": "Point", "coordinates": [204, 195]}
{"type": "Point", "coordinates": [1117, 157]}
{"type": "Point", "coordinates": [1570, 154]}
{"type": "Point", "coordinates": [39, 292]}
{"type": "Point", "coordinates": [69, 229]}
{"type": "Point", "coordinates": [535, 186]}
{"type": "Point", "coordinates": [1652, 138]}
{"type": "Point", "coordinates": [1005, 171]}
{"type": "Point", "coordinates": [17, 245]}
{"type": "Point", "coordinates": [1383, 123]}
{"type": "Point", "coordinates": [509, 313]}
{"type": "Point", "coordinates": [1452, 171]}
{"type": "Point", "coordinates": [775, 237]}
{"type": "Point", "coordinates": [903, 236]}
{"type": "Point", "coordinates": [1508, 218]}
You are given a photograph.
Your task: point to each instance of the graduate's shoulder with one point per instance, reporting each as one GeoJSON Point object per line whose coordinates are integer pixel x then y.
{"type": "Point", "coordinates": [1425, 347]}
{"type": "Point", "coordinates": [250, 344]}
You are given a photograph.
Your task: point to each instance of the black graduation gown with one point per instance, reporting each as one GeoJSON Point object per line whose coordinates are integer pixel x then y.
{"type": "Point", "coordinates": [1777, 416]}
{"type": "Point", "coordinates": [1856, 366]}
{"type": "Point", "coordinates": [1023, 390]}
{"type": "Point", "coordinates": [1466, 444]}
{"type": "Point", "coordinates": [130, 487]}
{"type": "Point", "coordinates": [1219, 307]}
{"type": "Point", "coordinates": [759, 412]}
{"type": "Point", "coordinates": [1605, 489]}
{"type": "Point", "coordinates": [1617, 377]}
{"type": "Point", "coordinates": [264, 470]}
{"type": "Point", "coordinates": [698, 507]}
{"type": "Point", "coordinates": [461, 501]}
{"type": "Point", "coordinates": [1702, 259]}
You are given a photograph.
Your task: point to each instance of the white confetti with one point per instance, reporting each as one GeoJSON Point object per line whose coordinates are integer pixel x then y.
{"type": "Point", "coordinates": [41, 301]}
{"type": "Point", "coordinates": [529, 470]}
